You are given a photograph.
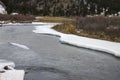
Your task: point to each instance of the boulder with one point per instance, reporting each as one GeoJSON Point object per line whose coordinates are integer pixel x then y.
{"type": "Point", "coordinates": [2, 8]}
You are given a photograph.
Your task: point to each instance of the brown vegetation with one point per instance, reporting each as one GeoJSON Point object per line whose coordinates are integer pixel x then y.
{"type": "Point", "coordinates": [66, 28]}
{"type": "Point", "coordinates": [55, 19]}
{"type": "Point", "coordinates": [16, 18]}
{"type": "Point", "coordinates": [106, 28]}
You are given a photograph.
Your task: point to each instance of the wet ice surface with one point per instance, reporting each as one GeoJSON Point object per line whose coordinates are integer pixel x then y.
{"type": "Point", "coordinates": [48, 59]}
{"type": "Point", "coordinates": [46, 73]}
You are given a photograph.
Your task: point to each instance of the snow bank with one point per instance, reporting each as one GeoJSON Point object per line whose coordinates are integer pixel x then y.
{"type": "Point", "coordinates": [45, 29]}
{"type": "Point", "coordinates": [44, 23]}
{"type": "Point", "coordinates": [19, 45]}
{"type": "Point", "coordinates": [9, 23]}
{"type": "Point", "coordinates": [4, 63]}
{"type": "Point", "coordinates": [9, 73]}
{"type": "Point", "coordinates": [12, 75]}
{"type": "Point", "coordinates": [95, 44]}
{"type": "Point", "coordinates": [15, 24]}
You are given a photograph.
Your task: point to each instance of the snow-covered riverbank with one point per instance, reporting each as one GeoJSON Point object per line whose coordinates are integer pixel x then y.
{"type": "Point", "coordinates": [95, 44]}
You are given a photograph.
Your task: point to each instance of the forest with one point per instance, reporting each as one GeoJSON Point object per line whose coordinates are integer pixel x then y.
{"type": "Point", "coordinates": [63, 7]}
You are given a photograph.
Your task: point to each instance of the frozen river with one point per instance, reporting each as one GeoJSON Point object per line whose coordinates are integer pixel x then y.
{"type": "Point", "coordinates": [43, 57]}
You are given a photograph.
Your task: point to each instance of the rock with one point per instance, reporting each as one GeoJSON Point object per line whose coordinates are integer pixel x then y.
{"type": "Point", "coordinates": [2, 8]}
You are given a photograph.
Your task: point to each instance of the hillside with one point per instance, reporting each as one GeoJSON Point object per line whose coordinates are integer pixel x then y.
{"type": "Point", "coordinates": [63, 7]}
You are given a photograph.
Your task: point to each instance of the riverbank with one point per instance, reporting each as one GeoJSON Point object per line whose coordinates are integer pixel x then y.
{"type": "Point", "coordinates": [6, 18]}
{"type": "Point", "coordinates": [79, 41]}
{"type": "Point", "coordinates": [103, 28]}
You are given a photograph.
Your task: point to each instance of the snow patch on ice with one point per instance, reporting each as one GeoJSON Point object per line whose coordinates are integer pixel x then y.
{"type": "Point", "coordinates": [20, 45]}
{"type": "Point", "coordinates": [95, 44]}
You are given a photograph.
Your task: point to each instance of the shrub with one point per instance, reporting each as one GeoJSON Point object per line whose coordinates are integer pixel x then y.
{"type": "Point", "coordinates": [107, 28]}
{"type": "Point", "coordinates": [66, 28]}
{"type": "Point", "coordinates": [16, 18]}
{"type": "Point", "coordinates": [92, 23]}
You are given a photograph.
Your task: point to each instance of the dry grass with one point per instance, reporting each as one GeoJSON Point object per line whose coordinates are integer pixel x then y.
{"type": "Point", "coordinates": [55, 19]}
{"type": "Point", "coordinates": [66, 28]}
{"type": "Point", "coordinates": [99, 35]}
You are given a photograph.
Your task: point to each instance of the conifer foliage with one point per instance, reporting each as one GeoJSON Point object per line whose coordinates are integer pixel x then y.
{"type": "Point", "coordinates": [63, 7]}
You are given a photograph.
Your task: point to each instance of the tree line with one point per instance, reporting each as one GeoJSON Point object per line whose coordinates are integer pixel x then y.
{"type": "Point", "coordinates": [63, 7]}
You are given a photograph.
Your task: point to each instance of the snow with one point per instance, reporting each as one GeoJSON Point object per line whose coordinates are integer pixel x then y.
{"type": "Point", "coordinates": [2, 10]}
{"type": "Point", "coordinates": [46, 30]}
{"type": "Point", "coordinates": [95, 44]}
{"type": "Point", "coordinates": [42, 23]}
{"type": "Point", "coordinates": [10, 74]}
{"type": "Point", "coordinates": [19, 45]}
{"type": "Point", "coordinates": [5, 23]}
{"type": "Point", "coordinates": [14, 13]}
{"type": "Point", "coordinates": [4, 63]}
